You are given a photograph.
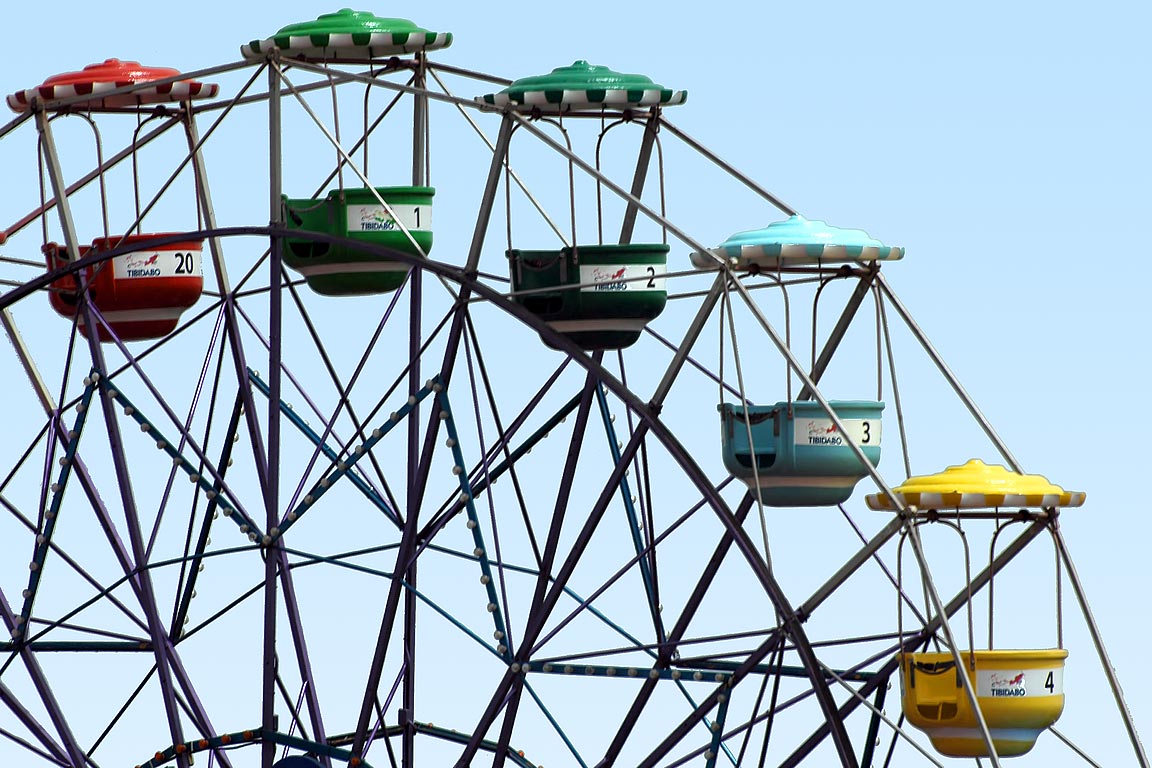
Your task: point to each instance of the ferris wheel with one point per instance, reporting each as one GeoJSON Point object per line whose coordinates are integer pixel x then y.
{"type": "Point", "coordinates": [299, 475]}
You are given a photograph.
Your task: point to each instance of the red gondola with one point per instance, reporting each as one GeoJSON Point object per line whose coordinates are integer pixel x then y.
{"type": "Point", "coordinates": [140, 294]}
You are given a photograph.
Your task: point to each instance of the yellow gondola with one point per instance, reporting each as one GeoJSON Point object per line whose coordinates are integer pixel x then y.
{"type": "Point", "coordinates": [1019, 693]}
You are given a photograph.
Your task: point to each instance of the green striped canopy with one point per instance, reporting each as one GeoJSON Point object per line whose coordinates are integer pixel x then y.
{"type": "Point", "coordinates": [348, 34]}
{"type": "Point", "coordinates": [582, 87]}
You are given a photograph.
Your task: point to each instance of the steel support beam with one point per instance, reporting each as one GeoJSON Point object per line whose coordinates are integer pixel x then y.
{"type": "Point", "coordinates": [119, 459]}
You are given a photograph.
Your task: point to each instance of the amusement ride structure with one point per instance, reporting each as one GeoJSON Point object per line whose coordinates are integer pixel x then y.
{"type": "Point", "coordinates": [288, 481]}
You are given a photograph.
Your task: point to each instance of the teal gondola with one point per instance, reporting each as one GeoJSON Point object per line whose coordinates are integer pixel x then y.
{"type": "Point", "coordinates": [791, 454]}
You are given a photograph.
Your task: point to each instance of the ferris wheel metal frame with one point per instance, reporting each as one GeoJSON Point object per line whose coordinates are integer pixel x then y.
{"type": "Point", "coordinates": [424, 410]}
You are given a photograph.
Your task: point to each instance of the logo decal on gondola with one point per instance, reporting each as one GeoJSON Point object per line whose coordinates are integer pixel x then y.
{"type": "Point", "coordinates": [376, 220]}
{"type": "Point", "coordinates": [139, 266]}
{"type": "Point", "coordinates": [1007, 685]}
{"type": "Point", "coordinates": [621, 278]}
{"type": "Point", "coordinates": [823, 432]}
{"type": "Point", "coordinates": [1019, 684]}
{"type": "Point", "coordinates": [609, 279]}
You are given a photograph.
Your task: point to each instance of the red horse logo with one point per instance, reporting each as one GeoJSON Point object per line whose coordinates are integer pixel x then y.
{"type": "Point", "coordinates": [1008, 682]}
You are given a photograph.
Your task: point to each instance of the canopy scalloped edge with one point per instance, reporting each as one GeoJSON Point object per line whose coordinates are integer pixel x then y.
{"type": "Point", "coordinates": [585, 99]}
{"type": "Point", "coordinates": [882, 502]}
{"type": "Point", "coordinates": [181, 90]}
{"type": "Point", "coordinates": [336, 46]}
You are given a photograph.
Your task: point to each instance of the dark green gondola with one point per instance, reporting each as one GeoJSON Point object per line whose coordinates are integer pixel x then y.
{"type": "Point", "coordinates": [599, 296]}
